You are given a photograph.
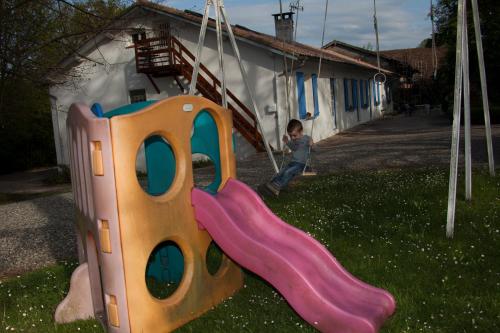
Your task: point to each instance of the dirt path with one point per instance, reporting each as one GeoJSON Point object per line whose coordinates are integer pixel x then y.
{"type": "Point", "coordinates": [31, 182]}
{"type": "Point", "coordinates": [394, 142]}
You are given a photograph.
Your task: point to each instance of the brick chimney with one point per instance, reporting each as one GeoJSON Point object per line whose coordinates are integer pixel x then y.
{"type": "Point", "coordinates": [283, 23]}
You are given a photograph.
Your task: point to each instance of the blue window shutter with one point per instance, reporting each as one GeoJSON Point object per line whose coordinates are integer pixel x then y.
{"type": "Point", "coordinates": [355, 94]}
{"type": "Point", "coordinates": [367, 94]}
{"type": "Point", "coordinates": [314, 79]}
{"type": "Point", "coordinates": [333, 93]}
{"type": "Point", "coordinates": [301, 94]}
{"type": "Point", "coordinates": [346, 95]}
{"type": "Point", "coordinates": [378, 93]}
{"type": "Point", "coordinates": [362, 92]}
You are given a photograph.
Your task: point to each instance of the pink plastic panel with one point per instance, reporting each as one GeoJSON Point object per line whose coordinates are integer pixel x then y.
{"type": "Point", "coordinates": [303, 271]}
{"type": "Point", "coordinates": [95, 200]}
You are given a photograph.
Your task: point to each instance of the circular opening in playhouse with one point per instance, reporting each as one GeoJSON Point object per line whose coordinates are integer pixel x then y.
{"type": "Point", "coordinates": [204, 171]}
{"type": "Point", "coordinates": [164, 270]}
{"type": "Point", "coordinates": [155, 165]}
{"type": "Point", "coordinates": [214, 258]}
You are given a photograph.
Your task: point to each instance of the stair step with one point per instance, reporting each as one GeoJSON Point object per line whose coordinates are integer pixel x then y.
{"type": "Point", "coordinates": [160, 58]}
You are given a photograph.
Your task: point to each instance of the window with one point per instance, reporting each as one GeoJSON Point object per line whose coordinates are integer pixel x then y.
{"type": "Point", "coordinates": [137, 95]}
{"type": "Point", "coordinates": [301, 95]}
{"type": "Point", "coordinates": [314, 79]}
{"type": "Point", "coordinates": [363, 87]}
{"type": "Point", "coordinates": [138, 36]}
{"type": "Point", "coordinates": [362, 93]}
{"type": "Point", "coordinates": [348, 96]}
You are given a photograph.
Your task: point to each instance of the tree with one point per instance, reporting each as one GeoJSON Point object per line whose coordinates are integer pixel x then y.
{"type": "Point", "coordinates": [34, 36]}
{"type": "Point", "coordinates": [446, 17]}
{"type": "Point", "coordinates": [368, 46]}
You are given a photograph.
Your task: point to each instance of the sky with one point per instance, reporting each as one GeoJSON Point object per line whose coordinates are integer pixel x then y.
{"type": "Point", "coordinates": [402, 23]}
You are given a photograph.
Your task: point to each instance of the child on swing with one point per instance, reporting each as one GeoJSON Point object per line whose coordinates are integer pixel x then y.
{"type": "Point", "coordinates": [300, 146]}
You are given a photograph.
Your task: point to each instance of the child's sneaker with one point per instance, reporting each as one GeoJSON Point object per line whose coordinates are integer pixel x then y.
{"type": "Point", "coordinates": [273, 188]}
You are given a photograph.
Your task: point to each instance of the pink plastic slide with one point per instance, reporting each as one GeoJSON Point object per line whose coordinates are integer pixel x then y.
{"type": "Point", "coordinates": [298, 266]}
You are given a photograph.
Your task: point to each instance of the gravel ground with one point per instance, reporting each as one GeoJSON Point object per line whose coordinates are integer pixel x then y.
{"type": "Point", "coordinates": [39, 232]}
{"type": "Point", "coordinates": [36, 233]}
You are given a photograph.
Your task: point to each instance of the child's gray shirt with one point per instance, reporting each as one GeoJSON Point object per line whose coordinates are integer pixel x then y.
{"type": "Point", "coordinates": [300, 149]}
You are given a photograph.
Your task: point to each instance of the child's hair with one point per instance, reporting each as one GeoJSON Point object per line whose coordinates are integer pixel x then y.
{"type": "Point", "coordinates": [294, 124]}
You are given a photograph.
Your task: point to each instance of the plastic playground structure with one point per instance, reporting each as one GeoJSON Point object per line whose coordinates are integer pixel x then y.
{"type": "Point", "coordinates": [119, 225]}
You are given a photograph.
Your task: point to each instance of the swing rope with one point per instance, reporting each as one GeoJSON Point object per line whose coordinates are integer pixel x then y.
{"type": "Point", "coordinates": [378, 77]}
{"type": "Point", "coordinates": [287, 77]}
{"type": "Point", "coordinates": [297, 7]}
{"type": "Point", "coordinates": [309, 155]}
{"type": "Point", "coordinates": [308, 161]}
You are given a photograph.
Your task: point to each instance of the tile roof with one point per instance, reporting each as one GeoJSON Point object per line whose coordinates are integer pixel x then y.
{"type": "Point", "coordinates": [419, 58]}
{"type": "Point", "coordinates": [292, 48]}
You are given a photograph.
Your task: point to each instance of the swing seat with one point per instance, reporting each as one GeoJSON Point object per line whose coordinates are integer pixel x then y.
{"type": "Point", "coordinates": [308, 172]}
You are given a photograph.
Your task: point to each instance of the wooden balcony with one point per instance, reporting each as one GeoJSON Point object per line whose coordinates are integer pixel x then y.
{"type": "Point", "coordinates": [166, 56]}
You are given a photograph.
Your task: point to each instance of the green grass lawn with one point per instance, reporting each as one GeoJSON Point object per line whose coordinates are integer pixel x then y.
{"type": "Point", "coordinates": [387, 228]}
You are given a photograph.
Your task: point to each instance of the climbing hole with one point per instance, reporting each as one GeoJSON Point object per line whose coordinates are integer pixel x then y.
{"type": "Point", "coordinates": [155, 165]}
{"type": "Point", "coordinates": [164, 270]}
{"type": "Point", "coordinates": [214, 258]}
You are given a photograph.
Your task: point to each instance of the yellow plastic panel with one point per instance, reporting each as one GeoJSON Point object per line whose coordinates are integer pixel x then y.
{"type": "Point", "coordinates": [113, 317]}
{"type": "Point", "coordinates": [104, 236]}
{"type": "Point", "coordinates": [97, 165]}
{"type": "Point", "coordinates": [146, 221]}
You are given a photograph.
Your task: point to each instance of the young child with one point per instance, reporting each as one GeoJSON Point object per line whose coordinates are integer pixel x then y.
{"type": "Point", "coordinates": [300, 145]}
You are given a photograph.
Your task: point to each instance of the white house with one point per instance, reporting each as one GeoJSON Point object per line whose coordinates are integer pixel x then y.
{"type": "Point", "coordinates": [144, 54]}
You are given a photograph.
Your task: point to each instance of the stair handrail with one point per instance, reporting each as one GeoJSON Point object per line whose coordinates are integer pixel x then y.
{"type": "Point", "coordinates": [216, 81]}
{"type": "Point", "coordinates": [249, 131]}
{"type": "Point", "coordinates": [178, 56]}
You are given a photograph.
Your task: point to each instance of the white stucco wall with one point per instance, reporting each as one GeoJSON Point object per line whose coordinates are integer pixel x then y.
{"type": "Point", "coordinates": [110, 80]}
{"type": "Point", "coordinates": [330, 120]}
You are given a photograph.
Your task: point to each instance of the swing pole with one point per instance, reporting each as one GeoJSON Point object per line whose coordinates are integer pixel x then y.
{"type": "Point", "coordinates": [467, 128]}
{"type": "Point", "coordinates": [484, 86]}
{"type": "Point", "coordinates": [221, 14]}
{"type": "Point", "coordinates": [455, 140]}
{"type": "Point", "coordinates": [245, 79]}
{"type": "Point", "coordinates": [220, 50]}
{"type": "Point", "coordinates": [201, 43]}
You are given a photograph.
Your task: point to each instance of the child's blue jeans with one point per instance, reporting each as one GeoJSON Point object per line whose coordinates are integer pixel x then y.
{"type": "Point", "coordinates": [286, 174]}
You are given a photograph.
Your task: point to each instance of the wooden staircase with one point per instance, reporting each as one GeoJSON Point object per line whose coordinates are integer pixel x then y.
{"type": "Point", "coordinates": [166, 56]}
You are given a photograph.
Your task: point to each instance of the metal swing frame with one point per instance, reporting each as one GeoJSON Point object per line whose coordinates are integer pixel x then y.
{"type": "Point", "coordinates": [221, 15]}
{"type": "Point", "coordinates": [462, 87]}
